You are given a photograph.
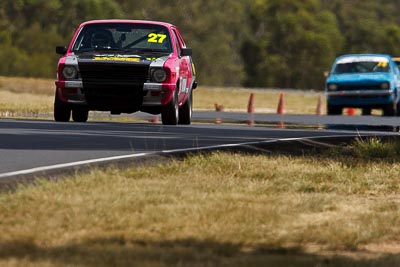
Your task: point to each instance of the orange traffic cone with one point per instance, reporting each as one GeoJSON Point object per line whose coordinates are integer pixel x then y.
{"type": "Point", "coordinates": [250, 110]}
{"type": "Point", "coordinates": [319, 106]}
{"type": "Point", "coordinates": [350, 111]}
{"type": "Point", "coordinates": [281, 104]}
{"type": "Point", "coordinates": [218, 108]}
{"type": "Point", "coordinates": [250, 106]}
{"type": "Point", "coordinates": [281, 110]}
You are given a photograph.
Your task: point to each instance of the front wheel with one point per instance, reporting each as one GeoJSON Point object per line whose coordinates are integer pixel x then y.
{"type": "Point", "coordinates": [80, 115]}
{"type": "Point", "coordinates": [185, 112]}
{"type": "Point", "coordinates": [389, 110]}
{"type": "Point", "coordinates": [334, 110]}
{"type": "Point", "coordinates": [170, 112]}
{"type": "Point", "coordinates": [398, 108]}
{"type": "Point", "coordinates": [62, 112]}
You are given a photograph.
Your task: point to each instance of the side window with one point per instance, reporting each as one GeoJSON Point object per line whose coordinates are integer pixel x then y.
{"type": "Point", "coordinates": [181, 42]}
{"type": "Point", "coordinates": [396, 70]}
{"type": "Point", "coordinates": [178, 48]}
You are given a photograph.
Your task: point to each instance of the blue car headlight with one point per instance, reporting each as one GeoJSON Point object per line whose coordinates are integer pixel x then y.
{"type": "Point", "coordinates": [332, 87]}
{"type": "Point", "coordinates": [385, 85]}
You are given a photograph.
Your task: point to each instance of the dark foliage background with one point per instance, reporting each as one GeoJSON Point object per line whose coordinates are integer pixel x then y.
{"type": "Point", "coordinates": [253, 43]}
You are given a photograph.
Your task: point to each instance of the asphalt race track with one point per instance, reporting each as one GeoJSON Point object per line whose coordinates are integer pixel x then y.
{"type": "Point", "coordinates": [33, 145]}
{"type": "Point", "coordinates": [324, 120]}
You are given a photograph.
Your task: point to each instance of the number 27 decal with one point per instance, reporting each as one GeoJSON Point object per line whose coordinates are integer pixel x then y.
{"type": "Point", "coordinates": [156, 37]}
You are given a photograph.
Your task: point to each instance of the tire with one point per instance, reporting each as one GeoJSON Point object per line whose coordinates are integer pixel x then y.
{"type": "Point", "coordinates": [80, 115]}
{"type": "Point", "coordinates": [186, 111]}
{"type": "Point", "coordinates": [170, 112]}
{"type": "Point", "coordinates": [389, 110]}
{"type": "Point", "coordinates": [366, 111]}
{"type": "Point", "coordinates": [62, 112]}
{"type": "Point", "coordinates": [398, 108]}
{"type": "Point", "coordinates": [334, 110]}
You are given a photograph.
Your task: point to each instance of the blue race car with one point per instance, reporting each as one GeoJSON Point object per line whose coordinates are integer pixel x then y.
{"type": "Point", "coordinates": [366, 81]}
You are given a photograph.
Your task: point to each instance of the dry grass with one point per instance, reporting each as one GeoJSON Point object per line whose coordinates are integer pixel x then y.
{"type": "Point", "coordinates": [24, 103]}
{"type": "Point", "coordinates": [33, 86]}
{"type": "Point", "coordinates": [217, 210]}
{"type": "Point", "coordinates": [32, 95]}
{"type": "Point", "coordinates": [339, 209]}
{"type": "Point", "coordinates": [265, 101]}
{"type": "Point", "coordinates": [26, 96]}
{"type": "Point", "coordinates": [29, 95]}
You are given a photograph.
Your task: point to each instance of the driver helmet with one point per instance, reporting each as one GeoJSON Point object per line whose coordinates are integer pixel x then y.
{"type": "Point", "coordinates": [100, 39]}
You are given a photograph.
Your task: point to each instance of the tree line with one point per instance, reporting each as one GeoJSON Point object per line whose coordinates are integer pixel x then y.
{"type": "Point", "coordinates": [252, 43]}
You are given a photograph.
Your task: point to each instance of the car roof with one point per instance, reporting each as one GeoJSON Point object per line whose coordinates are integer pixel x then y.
{"type": "Point", "coordinates": [346, 57]}
{"type": "Point", "coordinates": [102, 21]}
{"type": "Point", "coordinates": [365, 55]}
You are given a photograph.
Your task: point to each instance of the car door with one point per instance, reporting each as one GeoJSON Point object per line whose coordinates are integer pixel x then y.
{"type": "Point", "coordinates": [184, 68]}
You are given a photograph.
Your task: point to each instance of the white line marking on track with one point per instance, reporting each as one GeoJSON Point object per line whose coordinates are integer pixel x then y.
{"type": "Point", "coordinates": [71, 164]}
{"type": "Point", "coordinates": [138, 155]}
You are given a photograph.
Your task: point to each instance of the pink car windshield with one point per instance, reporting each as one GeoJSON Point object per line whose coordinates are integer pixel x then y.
{"type": "Point", "coordinates": [129, 37]}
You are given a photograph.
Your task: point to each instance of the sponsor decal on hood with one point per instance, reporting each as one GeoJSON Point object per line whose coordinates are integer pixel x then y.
{"type": "Point", "coordinates": [117, 58]}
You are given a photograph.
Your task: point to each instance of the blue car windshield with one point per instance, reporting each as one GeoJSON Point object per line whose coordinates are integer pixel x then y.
{"type": "Point", "coordinates": [361, 67]}
{"type": "Point", "coordinates": [123, 37]}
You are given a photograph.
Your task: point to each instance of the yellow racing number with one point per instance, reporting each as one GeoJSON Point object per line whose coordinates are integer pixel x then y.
{"type": "Point", "coordinates": [382, 64]}
{"type": "Point", "coordinates": [156, 38]}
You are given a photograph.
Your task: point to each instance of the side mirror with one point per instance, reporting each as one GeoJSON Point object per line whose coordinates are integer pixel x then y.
{"type": "Point", "coordinates": [61, 50]}
{"type": "Point", "coordinates": [186, 52]}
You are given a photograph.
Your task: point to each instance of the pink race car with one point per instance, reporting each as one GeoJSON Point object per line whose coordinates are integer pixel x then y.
{"type": "Point", "coordinates": [125, 66]}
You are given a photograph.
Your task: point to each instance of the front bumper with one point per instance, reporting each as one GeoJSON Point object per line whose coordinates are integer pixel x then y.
{"type": "Point", "coordinates": [361, 93]}
{"type": "Point", "coordinates": [154, 94]}
{"type": "Point", "coordinates": [359, 98]}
